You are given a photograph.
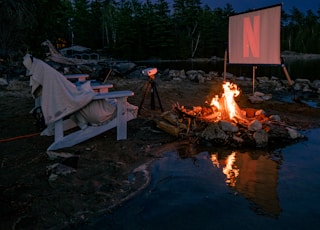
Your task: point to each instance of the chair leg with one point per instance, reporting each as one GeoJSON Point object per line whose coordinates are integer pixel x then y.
{"type": "Point", "coordinates": [58, 130]}
{"type": "Point", "coordinates": [122, 118]}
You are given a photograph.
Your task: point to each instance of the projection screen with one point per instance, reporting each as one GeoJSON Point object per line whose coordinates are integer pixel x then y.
{"type": "Point", "coordinates": [254, 36]}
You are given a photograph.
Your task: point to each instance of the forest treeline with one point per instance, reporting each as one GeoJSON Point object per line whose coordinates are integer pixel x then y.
{"type": "Point", "coordinates": [138, 29]}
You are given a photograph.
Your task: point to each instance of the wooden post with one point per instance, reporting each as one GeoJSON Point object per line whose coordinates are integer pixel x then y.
{"type": "Point", "coordinates": [253, 77]}
{"type": "Point", "coordinates": [225, 66]}
{"type": "Point", "coordinates": [286, 72]}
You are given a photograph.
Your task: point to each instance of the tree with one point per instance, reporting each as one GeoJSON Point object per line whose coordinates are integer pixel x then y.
{"type": "Point", "coordinates": [126, 30]}
{"type": "Point", "coordinates": [162, 43]}
{"type": "Point", "coordinates": [80, 23]}
{"type": "Point", "coordinates": [312, 32]}
{"type": "Point", "coordinates": [136, 30]}
{"type": "Point", "coordinates": [186, 19]}
{"type": "Point", "coordinates": [52, 25]}
{"type": "Point", "coordinates": [14, 26]}
{"type": "Point", "coordinates": [108, 15]}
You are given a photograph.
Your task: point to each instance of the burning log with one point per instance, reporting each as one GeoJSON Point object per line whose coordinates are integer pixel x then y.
{"type": "Point", "coordinates": [224, 123]}
{"type": "Point", "coordinates": [169, 128]}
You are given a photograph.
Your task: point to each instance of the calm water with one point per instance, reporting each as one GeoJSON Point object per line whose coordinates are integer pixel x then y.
{"type": "Point", "coordinates": [309, 69]}
{"type": "Point", "coordinates": [214, 188]}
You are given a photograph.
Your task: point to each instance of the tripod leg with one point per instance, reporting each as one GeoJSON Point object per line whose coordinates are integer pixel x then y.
{"type": "Point", "coordinates": [156, 91]}
{"type": "Point", "coordinates": [144, 96]}
{"type": "Point", "coordinates": [152, 103]}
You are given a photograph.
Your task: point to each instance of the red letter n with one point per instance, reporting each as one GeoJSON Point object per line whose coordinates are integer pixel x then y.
{"type": "Point", "coordinates": [251, 37]}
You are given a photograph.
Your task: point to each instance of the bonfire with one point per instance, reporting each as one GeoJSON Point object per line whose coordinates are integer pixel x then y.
{"type": "Point", "coordinates": [223, 122]}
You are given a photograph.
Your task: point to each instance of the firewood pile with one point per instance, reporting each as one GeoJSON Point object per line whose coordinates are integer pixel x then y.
{"type": "Point", "coordinates": [224, 123]}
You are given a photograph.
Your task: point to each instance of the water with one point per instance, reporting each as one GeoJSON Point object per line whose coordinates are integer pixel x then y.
{"type": "Point", "coordinates": [309, 98]}
{"type": "Point", "coordinates": [216, 188]}
{"type": "Point", "coordinates": [309, 69]}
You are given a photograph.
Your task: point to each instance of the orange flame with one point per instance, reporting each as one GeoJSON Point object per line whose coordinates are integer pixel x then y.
{"type": "Point", "coordinates": [226, 104]}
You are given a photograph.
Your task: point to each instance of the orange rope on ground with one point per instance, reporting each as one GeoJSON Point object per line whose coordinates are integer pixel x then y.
{"type": "Point", "coordinates": [20, 137]}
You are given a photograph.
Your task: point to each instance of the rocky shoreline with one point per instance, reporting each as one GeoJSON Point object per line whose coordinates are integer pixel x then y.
{"type": "Point", "coordinates": [106, 173]}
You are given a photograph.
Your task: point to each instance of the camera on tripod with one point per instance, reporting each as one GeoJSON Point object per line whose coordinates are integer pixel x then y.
{"type": "Point", "coordinates": [150, 84]}
{"type": "Point", "coordinates": [150, 72]}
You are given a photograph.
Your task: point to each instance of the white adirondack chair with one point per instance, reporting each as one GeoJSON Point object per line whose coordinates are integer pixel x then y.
{"type": "Point", "coordinates": [60, 99]}
{"type": "Point", "coordinates": [78, 136]}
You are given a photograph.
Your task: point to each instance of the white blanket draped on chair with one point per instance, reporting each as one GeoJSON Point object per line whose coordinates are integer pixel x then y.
{"type": "Point", "coordinates": [61, 99]}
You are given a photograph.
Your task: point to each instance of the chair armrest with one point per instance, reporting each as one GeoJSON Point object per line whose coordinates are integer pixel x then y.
{"type": "Point", "coordinates": [114, 94]}
{"type": "Point", "coordinates": [80, 77]}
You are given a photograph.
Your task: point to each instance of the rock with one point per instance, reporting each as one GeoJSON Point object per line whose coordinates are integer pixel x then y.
{"type": "Point", "coordinates": [182, 74]}
{"type": "Point", "coordinates": [315, 84]}
{"type": "Point", "coordinates": [18, 85]}
{"type": "Point", "coordinates": [254, 125]}
{"type": "Point", "coordinates": [258, 94]}
{"type": "Point", "coordinates": [297, 86]}
{"type": "Point", "coordinates": [177, 79]}
{"type": "Point", "coordinates": [58, 169]}
{"type": "Point", "coordinates": [228, 126]}
{"type": "Point", "coordinates": [174, 73]}
{"type": "Point", "coordinates": [262, 79]}
{"type": "Point", "coordinates": [260, 112]}
{"type": "Point", "coordinates": [213, 131]}
{"type": "Point", "coordinates": [255, 100]}
{"type": "Point", "coordinates": [239, 140]}
{"type": "Point", "coordinates": [229, 75]}
{"type": "Point", "coordinates": [201, 79]}
{"type": "Point", "coordinates": [192, 75]}
{"type": "Point", "coordinates": [261, 138]}
{"type": "Point", "coordinates": [294, 134]}
{"type": "Point", "coordinates": [273, 78]}
{"type": "Point", "coordinates": [275, 118]}
{"type": "Point", "coordinates": [267, 97]}
{"type": "Point", "coordinates": [3, 81]}
{"type": "Point", "coordinates": [125, 67]}
{"type": "Point", "coordinates": [306, 88]}
{"type": "Point", "coordinates": [213, 74]}
{"type": "Point", "coordinates": [302, 81]}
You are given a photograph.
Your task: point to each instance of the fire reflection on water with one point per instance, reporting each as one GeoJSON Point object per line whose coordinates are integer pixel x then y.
{"type": "Point", "coordinates": [230, 170]}
{"type": "Point", "coordinates": [254, 177]}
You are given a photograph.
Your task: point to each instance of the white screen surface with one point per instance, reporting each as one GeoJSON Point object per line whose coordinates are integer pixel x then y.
{"type": "Point", "coordinates": [254, 37]}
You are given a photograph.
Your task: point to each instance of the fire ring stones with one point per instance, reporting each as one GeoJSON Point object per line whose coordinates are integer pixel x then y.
{"type": "Point", "coordinates": [254, 125]}
{"type": "Point", "coordinates": [261, 138]}
{"type": "Point", "coordinates": [228, 127]}
{"type": "Point", "coordinates": [214, 132]}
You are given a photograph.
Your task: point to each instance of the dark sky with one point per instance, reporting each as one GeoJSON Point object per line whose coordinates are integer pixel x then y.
{"type": "Point", "coordinates": [243, 5]}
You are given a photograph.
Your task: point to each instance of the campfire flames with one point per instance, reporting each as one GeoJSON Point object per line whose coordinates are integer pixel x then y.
{"type": "Point", "coordinates": [223, 122]}
{"type": "Point", "coordinates": [226, 105]}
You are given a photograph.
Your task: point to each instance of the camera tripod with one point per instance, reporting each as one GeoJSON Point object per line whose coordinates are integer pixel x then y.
{"type": "Point", "coordinates": [151, 84]}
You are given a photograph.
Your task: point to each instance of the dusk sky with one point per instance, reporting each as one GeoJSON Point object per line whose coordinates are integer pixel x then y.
{"type": "Point", "coordinates": [243, 5]}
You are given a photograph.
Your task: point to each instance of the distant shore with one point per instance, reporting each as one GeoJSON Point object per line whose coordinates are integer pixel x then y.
{"type": "Point", "coordinates": [294, 55]}
{"type": "Point", "coordinates": [285, 54]}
